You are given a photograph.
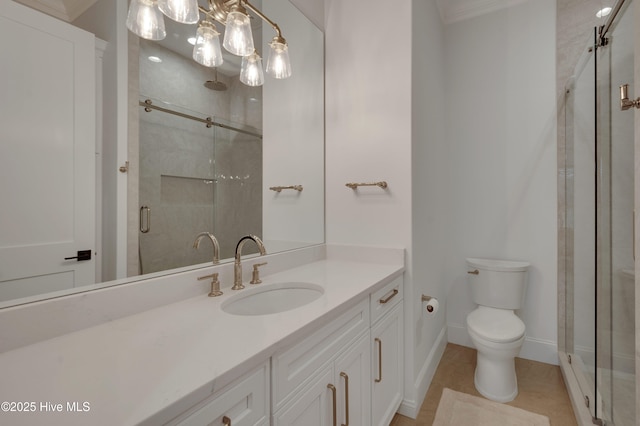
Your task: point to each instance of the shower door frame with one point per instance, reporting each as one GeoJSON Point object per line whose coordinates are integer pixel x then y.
{"type": "Point", "coordinates": [605, 103]}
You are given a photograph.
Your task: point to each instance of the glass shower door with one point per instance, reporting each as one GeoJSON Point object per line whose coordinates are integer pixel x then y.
{"type": "Point", "coordinates": [580, 181]}
{"type": "Point", "coordinates": [599, 221]}
{"type": "Point", "coordinates": [616, 280]}
{"type": "Point", "coordinates": [176, 188]}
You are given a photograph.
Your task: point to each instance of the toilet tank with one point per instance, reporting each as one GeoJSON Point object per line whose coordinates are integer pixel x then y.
{"type": "Point", "coordinates": [497, 283]}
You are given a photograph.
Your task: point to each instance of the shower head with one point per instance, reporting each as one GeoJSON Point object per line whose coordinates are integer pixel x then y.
{"type": "Point", "coordinates": [215, 84]}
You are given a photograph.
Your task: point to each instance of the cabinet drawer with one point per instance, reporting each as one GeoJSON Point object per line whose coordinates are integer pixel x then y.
{"type": "Point", "coordinates": [244, 402]}
{"type": "Point", "coordinates": [293, 366]}
{"type": "Point", "coordinates": [386, 298]}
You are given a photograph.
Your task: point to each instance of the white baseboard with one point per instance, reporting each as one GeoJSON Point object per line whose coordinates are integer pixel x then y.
{"type": "Point", "coordinates": [410, 408]}
{"type": "Point", "coordinates": [534, 349]}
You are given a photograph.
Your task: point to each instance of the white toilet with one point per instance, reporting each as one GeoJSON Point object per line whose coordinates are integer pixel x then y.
{"type": "Point", "coordinates": [498, 287]}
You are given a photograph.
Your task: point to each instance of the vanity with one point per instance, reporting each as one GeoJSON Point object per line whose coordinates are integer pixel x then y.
{"type": "Point", "coordinates": [335, 359]}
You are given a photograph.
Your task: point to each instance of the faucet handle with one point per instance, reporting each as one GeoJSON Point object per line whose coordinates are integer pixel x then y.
{"type": "Point", "coordinates": [215, 284]}
{"type": "Point", "coordinates": [255, 277]}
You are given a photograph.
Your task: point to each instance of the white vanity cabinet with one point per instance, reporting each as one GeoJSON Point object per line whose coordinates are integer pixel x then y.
{"type": "Point", "coordinates": [245, 402]}
{"type": "Point", "coordinates": [387, 345]}
{"type": "Point", "coordinates": [323, 372]}
{"type": "Point", "coordinates": [349, 371]}
{"type": "Point", "coordinates": [342, 389]}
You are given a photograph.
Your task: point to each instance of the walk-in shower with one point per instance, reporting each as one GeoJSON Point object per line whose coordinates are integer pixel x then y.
{"type": "Point", "coordinates": [198, 174]}
{"type": "Point", "coordinates": [199, 161]}
{"type": "Point", "coordinates": [599, 215]}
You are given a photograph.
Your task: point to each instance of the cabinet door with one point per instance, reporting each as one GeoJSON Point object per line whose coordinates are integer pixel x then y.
{"type": "Point", "coordinates": [353, 382]}
{"type": "Point", "coordinates": [387, 372]}
{"type": "Point", "coordinates": [314, 406]}
{"type": "Point", "coordinates": [244, 403]}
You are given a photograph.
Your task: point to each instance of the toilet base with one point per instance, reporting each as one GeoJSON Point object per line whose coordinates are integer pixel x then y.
{"type": "Point", "coordinates": [495, 379]}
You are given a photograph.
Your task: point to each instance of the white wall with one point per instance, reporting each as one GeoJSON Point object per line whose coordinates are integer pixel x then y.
{"type": "Point", "coordinates": [472, 174]}
{"type": "Point", "coordinates": [100, 19]}
{"type": "Point", "coordinates": [375, 125]}
{"type": "Point", "coordinates": [368, 123]}
{"type": "Point", "coordinates": [501, 130]}
{"type": "Point", "coordinates": [293, 127]}
{"type": "Point", "coordinates": [430, 165]}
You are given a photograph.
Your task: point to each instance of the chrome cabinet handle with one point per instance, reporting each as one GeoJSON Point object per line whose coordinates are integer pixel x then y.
{"type": "Point", "coordinates": [346, 397]}
{"type": "Point", "coordinates": [335, 402]}
{"type": "Point", "coordinates": [379, 342]}
{"type": "Point", "coordinates": [474, 272]}
{"type": "Point", "coordinates": [389, 297]}
{"type": "Point", "coordinates": [145, 229]}
{"type": "Point", "coordinates": [226, 421]}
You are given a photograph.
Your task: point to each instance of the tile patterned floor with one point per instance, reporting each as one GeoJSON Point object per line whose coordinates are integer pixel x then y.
{"type": "Point", "coordinates": [541, 388]}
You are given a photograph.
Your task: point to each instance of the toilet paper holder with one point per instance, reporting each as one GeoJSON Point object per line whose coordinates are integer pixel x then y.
{"type": "Point", "coordinates": [427, 299]}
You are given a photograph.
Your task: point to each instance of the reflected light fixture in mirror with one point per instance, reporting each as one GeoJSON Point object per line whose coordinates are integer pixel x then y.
{"type": "Point", "coordinates": [238, 38]}
{"type": "Point", "coordinates": [183, 11]}
{"type": "Point", "coordinates": [251, 72]}
{"type": "Point", "coordinates": [206, 50]}
{"type": "Point", "coordinates": [145, 20]}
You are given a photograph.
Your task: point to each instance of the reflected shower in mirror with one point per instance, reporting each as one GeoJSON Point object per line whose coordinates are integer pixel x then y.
{"type": "Point", "coordinates": [180, 177]}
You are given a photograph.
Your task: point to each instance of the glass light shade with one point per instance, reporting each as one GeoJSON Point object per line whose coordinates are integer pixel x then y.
{"type": "Point", "coordinates": [183, 11]}
{"type": "Point", "coordinates": [251, 72]}
{"type": "Point", "coordinates": [278, 65]}
{"type": "Point", "coordinates": [237, 35]}
{"type": "Point", "coordinates": [207, 50]}
{"type": "Point", "coordinates": [145, 20]}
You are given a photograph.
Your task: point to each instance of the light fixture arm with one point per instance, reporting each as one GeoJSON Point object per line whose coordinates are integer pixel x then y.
{"type": "Point", "coordinates": [264, 18]}
{"type": "Point", "coordinates": [219, 9]}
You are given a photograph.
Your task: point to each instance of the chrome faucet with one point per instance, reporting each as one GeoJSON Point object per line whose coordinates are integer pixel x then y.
{"type": "Point", "coordinates": [237, 267]}
{"type": "Point", "coordinates": [214, 241]}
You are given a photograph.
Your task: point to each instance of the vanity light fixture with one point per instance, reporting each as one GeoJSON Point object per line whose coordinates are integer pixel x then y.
{"type": "Point", "coordinates": [207, 50]}
{"type": "Point", "coordinates": [251, 71]}
{"type": "Point", "coordinates": [182, 11]}
{"type": "Point", "coordinates": [145, 20]}
{"type": "Point", "coordinates": [238, 38]}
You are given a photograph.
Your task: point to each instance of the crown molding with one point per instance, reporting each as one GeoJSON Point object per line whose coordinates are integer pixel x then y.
{"type": "Point", "coordinates": [66, 10]}
{"type": "Point", "coordinates": [459, 10]}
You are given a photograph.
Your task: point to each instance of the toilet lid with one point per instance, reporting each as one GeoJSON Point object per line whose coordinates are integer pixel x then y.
{"type": "Point", "coordinates": [496, 325]}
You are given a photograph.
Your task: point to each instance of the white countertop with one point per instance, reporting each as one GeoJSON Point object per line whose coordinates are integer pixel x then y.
{"type": "Point", "coordinates": [148, 367]}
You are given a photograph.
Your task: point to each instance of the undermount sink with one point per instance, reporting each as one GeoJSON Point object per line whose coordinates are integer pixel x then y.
{"type": "Point", "coordinates": [272, 298]}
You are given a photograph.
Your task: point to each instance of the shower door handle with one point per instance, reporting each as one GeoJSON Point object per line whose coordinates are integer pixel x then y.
{"type": "Point", "coordinates": [145, 228]}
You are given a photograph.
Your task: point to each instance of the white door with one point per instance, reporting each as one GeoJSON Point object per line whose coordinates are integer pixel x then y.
{"type": "Point", "coordinates": [47, 153]}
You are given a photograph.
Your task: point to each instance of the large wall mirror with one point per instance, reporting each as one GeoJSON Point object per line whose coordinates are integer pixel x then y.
{"type": "Point", "coordinates": [204, 150]}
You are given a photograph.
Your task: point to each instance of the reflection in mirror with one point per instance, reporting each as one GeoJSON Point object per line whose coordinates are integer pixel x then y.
{"type": "Point", "coordinates": [183, 177]}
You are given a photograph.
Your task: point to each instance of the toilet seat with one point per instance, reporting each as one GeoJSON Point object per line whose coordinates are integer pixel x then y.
{"type": "Point", "coordinates": [495, 325]}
